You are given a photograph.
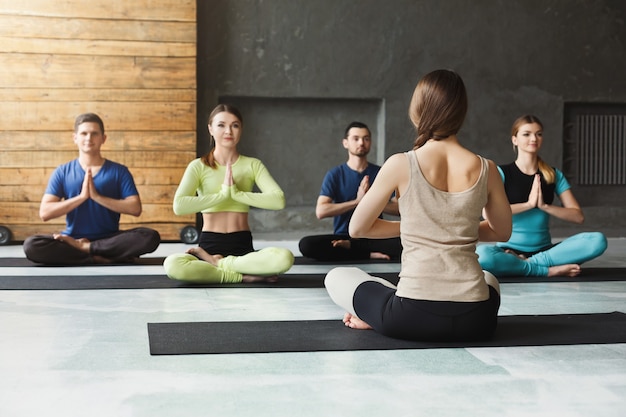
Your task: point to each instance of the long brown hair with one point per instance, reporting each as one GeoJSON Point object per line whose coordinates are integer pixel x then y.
{"type": "Point", "coordinates": [546, 170]}
{"type": "Point", "coordinates": [438, 106]}
{"type": "Point", "coordinates": [209, 159]}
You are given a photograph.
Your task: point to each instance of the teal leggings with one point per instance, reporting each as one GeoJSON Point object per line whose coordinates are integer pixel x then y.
{"type": "Point", "coordinates": [576, 249]}
{"type": "Point", "coordinates": [230, 269]}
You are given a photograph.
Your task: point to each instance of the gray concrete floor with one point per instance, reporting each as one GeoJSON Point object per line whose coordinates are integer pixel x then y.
{"type": "Point", "coordinates": [85, 353]}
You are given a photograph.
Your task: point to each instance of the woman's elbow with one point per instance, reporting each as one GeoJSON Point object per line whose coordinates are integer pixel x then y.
{"type": "Point", "coordinates": [281, 202]}
{"type": "Point", "coordinates": [504, 235]}
{"type": "Point", "coordinates": [501, 232]}
{"type": "Point", "coordinates": [177, 208]}
{"type": "Point", "coordinates": [580, 219]}
{"type": "Point", "coordinates": [355, 231]}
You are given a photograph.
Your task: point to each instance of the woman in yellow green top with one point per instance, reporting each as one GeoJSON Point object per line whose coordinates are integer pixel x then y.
{"type": "Point", "coordinates": [220, 186]}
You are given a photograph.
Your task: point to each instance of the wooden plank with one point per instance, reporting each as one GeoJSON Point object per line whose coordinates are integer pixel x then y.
{"type": "Point", "coordinates": [159, 213]}
{"type": "Point", "coordinates": [28, 213]}
{"type": "Point", "coordinates": [16, 213]}
{"type": "Point", "coordinates": [168, 231]}
{"type": "Point", "coordinates": [161, 10]}
{"type": "Point", "coordinates": [19, 193]}
{"type": "Point", "coordinates": [24, 176]}
{"type": "Point", "coordinates": [116, 140]}
{"type": "Point", "coordinates": [96, 29]}
{"type": "Point", "coordinates": [39, 176]}
{"type": "Point", "coordinates": [113, 72]}
{"type": "Point", "coordinates": [155, 159]}
{"type": "Point", "coordinates": [134, 63]}
{"type": "Point", "coordinates": [97, 47]}
{"type": "Point", "coordinates": [98, 94]}
{"type": "Point", "coordinates": [149, 175]}
{"type": "Point", "coordinates": [123, 115]}
{"type": "Point", "coordinates": [152, 194]}
{"type": "Point", "coordinates": [157, 194]}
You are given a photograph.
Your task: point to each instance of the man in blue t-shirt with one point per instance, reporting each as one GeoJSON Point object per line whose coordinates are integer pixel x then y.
{"type": "Point", "coordinates": [342, 189]}
{"type": "Point", "coordinates": [91, 192]}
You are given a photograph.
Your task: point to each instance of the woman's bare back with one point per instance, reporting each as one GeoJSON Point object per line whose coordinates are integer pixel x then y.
{"type": "Point", "coordinates": [448, 166]}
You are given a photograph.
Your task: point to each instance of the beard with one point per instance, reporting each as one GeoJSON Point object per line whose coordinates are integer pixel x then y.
{"type": "Point", "coordinates": [360, 152]}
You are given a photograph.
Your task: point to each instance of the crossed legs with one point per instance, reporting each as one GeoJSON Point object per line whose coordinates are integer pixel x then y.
{"type": "Point", "coordinates": [199, 266]}
{"type": "Point", "coordinates": [563, 259]}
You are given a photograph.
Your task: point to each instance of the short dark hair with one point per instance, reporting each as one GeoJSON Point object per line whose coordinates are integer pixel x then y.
{"type": "Point", "coordinates": [359, 125]}
{"type": "Point", "coordinates": [88, 118]}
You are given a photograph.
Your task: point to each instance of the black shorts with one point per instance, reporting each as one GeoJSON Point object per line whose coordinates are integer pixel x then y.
{"type": "Point", "coordinates": [226, 244]}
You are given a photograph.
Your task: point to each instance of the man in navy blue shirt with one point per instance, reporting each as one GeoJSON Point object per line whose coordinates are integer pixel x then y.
{"type": "Point", "coordinates": [91, 192]}
{"type": "Point", "coordinates": [342, 189]}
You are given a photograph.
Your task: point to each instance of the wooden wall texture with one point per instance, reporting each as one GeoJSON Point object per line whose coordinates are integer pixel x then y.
{"type": "Point", "coordinates": [131, 61]}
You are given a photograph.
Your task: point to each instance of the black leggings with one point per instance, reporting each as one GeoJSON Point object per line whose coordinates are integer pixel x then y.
{"type": "Point", "coordinates": [320, 247]}
{"type": "Point", "coordinates": [123, 246]}
{"type": "Point", "coordinates": [422, 320]}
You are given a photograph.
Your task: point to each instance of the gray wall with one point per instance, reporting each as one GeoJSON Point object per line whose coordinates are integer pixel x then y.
{"type": "Point", "coordinates": [301, 70]}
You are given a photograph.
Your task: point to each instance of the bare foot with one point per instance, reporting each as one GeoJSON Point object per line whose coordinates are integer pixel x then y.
{"type": "Point", "coordinates": [200, 253]}
{"type": "Point", "coordinates": [81, 244]}
{"type": "Point", "coordinates": [259, 278]}
{"type": "Point", "coordinates": [354, 322]}
{"type": "Point", "coordinates": [379, 255]}
{"type": "Point", "coordinates": [344, 243]}
{"type": "Point", "coordinates": [568, 270]}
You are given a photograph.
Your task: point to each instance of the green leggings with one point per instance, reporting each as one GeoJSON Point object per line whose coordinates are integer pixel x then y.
{"type": "Point", "coordinates": [230, 270]}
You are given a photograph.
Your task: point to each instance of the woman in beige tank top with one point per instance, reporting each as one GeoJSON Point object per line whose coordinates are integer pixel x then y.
{"type": "Point", "coordinates": [443, 189]}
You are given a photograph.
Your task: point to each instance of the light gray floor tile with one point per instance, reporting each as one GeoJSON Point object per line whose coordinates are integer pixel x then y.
{"type": "Point", "coordinates": [85, 353]}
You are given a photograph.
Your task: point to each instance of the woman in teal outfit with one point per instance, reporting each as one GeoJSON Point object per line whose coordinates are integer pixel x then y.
{"type": "Point", "coordinates": [220, 186]}
{"type": "Point", "coordinates": [531, 185]}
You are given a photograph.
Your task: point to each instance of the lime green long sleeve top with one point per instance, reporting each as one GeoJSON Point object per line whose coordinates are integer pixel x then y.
{"type": "Point", "coordinates": [202, 188]}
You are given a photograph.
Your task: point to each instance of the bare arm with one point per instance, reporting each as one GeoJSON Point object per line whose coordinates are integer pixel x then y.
{"type": "Point", "coordinates": [570, 211]}
{"type": "Point", "coordinates": [365, 222]}
{"type": "Point", "coordinates": [497, 212]}
{"type": "Point", "coordinates": [53, 206]}
{"type": "Point", "coordinates": [392, 207]}
{"type": "Point", "coordinates": [325, 206]}
{"type": "Point", "coordinates": [533, 198]}
{"type": "Point", "coordinates": [130, 205]}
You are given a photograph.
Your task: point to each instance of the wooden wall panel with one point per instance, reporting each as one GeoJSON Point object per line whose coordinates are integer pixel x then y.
{"type": "Point", "coordinates": [133, 63]}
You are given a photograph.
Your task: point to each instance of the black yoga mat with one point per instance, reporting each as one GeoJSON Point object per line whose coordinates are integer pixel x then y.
{"type": "Point", "coordinates": [104, 282]}
{"type": "Point", "coordinates": [130, 281]}
{"type": "Point", "coordinates": [152, 260]}
{"type": "Point", "coordinates": [12, 262]}
{"type": "Point", "coordinates": [303, 260]}
{"type": "Point", "coordinates": [332, 335]}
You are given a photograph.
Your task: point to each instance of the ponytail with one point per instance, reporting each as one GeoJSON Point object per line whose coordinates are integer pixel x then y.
{"type": "Point", "coordinates": [209, 160]}
{"type": "Point", "coordinates": [546, 171]}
